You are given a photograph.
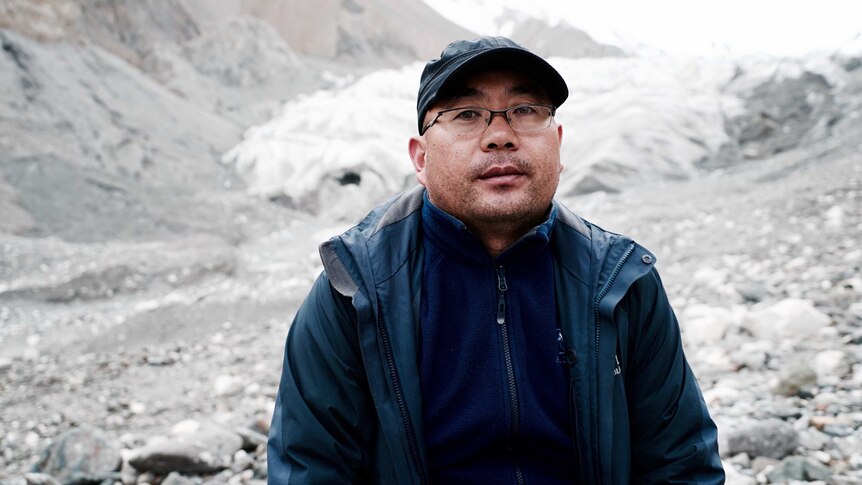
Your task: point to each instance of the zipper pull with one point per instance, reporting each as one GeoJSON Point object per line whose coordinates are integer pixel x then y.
{"type": "Point", "coordinates": [501, 279]}
{"type": "Point", "coordinates": [501, 303]}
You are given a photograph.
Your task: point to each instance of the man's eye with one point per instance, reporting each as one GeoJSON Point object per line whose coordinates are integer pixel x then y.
{"type": "Point", "coordinates": [524, 111]}
{"type": "Point", "coordinates": [467, 115]}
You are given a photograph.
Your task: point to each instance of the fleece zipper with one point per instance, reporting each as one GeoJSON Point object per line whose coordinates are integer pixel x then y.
{"type": "Point", "coordinates": [515, 421]}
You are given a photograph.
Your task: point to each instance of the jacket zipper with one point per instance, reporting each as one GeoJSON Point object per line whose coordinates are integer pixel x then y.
{"type": "Point", "coordinates": [601, 295]}
{"type": "Point", "coordinates": [399, 397]}
{"type": "Point", "coordinates": [605, 290]}
{"type": "Point", "coordinates": [510, 370]}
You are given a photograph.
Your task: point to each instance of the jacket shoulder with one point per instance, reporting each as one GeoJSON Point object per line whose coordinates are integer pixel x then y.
{"type": "Point", "coordinates": [343, 255]}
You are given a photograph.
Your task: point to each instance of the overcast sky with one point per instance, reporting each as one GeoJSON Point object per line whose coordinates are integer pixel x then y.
{"type": "Point", "coordinates": [689, 27]}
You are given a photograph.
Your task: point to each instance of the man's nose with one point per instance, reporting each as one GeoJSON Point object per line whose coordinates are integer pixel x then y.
{"type": "Point", "coordinates": [499, 134]}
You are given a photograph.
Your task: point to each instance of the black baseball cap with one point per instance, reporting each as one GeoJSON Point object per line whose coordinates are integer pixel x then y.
{"type": "Point", "coordinates": [464, 57]}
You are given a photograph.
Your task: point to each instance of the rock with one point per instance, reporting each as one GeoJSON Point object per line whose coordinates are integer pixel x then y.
{"type": "Point", "coordinates": [128, 473]}
{"type": "Point", "coordinates": [822, 456]}
{"type": "Point", "coordinates": [770, 438]}
{"type": "Point", "coordinates": [752, 355]}
{"type": "Point", "coordinates": [223, 478]}
{"type": "Point", "coordinates": [792, 318]}
{"type": "Point", "coordinates": [721, 395]}
{"type": "Point", "coordinates": [250, 438]}
{"type": "Point", "coordinates": [735, 477]}
{"type": "Point", "coordinates": [831, 366]}
{"type": "Point", "coordinates": [242, 461]}
{"type": "Point", "coordinates": [752, 292]}
{"type": "Point", "coordinates": [845, 480]}
{"type": "Point", "coordinates": [30, 479]}
{"type": "Point", "coordinates": [762, 463]}
{"type": "Point", "coordinates": [742, 460]}
{"type": "Point", "coordinates": [81, 454]}
{"type": "Point", "coordinates": [703, 324]}
{"type": "Point", "coordinates": [820, 422]}
{"type": "Point", "coordinates": [175, 478]}
{"type": "Point", "coordinates": [834, 217]}
{"type": "Point", "coordinates": [850, 445]}
{"type": "Point", "coordinates": [209, 448]}
{"type": "Point", "coordinates": [838, 430]}
{"type": "Point", "coordinates": [811, 439]}
{"type": "Point", "coordinates": [146, 478]}
{"type": "Point", "coordinates": [798, 468]}
{"type": "Point", "coordinates": [715, 357]}
{"type": "Point", "coordinates": [228, 385]}
{"type": "Point", "coordinates": [793, 377]}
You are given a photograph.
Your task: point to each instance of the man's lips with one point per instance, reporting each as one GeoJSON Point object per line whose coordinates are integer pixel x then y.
{"type": "Point", "coordinates": [505, 171]}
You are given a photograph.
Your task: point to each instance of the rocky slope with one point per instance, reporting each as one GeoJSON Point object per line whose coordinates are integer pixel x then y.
{"type": "Point", "coordinates": [361, 33]}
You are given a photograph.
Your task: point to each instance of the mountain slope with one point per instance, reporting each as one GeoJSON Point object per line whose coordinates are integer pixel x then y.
{"type": "Point", "coordinates": [359, 32]}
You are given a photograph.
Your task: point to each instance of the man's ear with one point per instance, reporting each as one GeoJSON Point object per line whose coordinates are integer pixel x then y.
{"type": "Point", "coordinates": [416, 147]}
{"type": "Point", "coordinates": [560, 138]}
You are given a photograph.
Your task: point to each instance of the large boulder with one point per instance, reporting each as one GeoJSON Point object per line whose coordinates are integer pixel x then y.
{"type": "Point", "coordinates": [771, 438]}
{"type": "Point", "coordinates": [192, 448]}
{"type": "Point", "coordinates": [794, 377]}
{"type": "Point", "coordinates": [792, 319]}
{"type": "Point", "coordinates": [797, 468]}
{"type": "Point", "coordinates": [81, 455]}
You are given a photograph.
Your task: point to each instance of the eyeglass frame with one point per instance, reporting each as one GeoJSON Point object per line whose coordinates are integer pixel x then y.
{"type": "Point", "coordinates": [494, 112]}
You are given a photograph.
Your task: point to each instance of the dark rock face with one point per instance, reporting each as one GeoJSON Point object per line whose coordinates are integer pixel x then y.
{"type": "Point", "coordinates": [80, 455]}
{"type": "Point", "coordinates": [781, 114]}
{"type": "Point", "coordinates": [131, 28]}
{"type": "Point", "coordinates": [770, 438]}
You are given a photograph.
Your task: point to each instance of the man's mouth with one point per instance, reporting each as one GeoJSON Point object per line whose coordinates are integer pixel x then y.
{"type": "Point", "coordinates": [507, 171]}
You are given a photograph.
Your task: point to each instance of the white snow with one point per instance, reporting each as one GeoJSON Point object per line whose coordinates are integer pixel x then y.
{"type": "Point", "coordinates": [362, 129]}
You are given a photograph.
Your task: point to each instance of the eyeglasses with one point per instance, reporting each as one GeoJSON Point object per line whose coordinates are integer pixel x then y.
{"type": "Point", "coordinates": [474, 121]}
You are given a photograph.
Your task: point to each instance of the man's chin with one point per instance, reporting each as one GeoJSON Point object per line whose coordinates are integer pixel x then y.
{"type": "Point", "coordinates": [510, 209]}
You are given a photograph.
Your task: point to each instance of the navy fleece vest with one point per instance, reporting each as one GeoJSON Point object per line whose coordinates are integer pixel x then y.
{"type": "Point", "coordinates": [494, 394]}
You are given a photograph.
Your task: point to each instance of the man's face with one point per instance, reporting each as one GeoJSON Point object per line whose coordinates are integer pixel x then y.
{"type": "Point", "coordinates": [500, 175]}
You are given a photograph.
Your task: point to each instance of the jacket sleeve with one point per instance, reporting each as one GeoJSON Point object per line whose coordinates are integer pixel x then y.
{"type": "Point", "coordinates": [673, 438]}
{"type": "Point", "coordinates": [321, 431]}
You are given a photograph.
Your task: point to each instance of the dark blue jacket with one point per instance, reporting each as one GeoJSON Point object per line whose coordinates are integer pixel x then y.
{"type": "Point", "coordinates": [349, 407]}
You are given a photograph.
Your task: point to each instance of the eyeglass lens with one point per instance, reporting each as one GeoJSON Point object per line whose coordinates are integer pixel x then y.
{"type": "Point", "coordinates": [475, 120]}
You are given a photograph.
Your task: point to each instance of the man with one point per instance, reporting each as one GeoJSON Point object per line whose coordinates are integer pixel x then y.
{"type": "Point", "coordinates": [472, 330]}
